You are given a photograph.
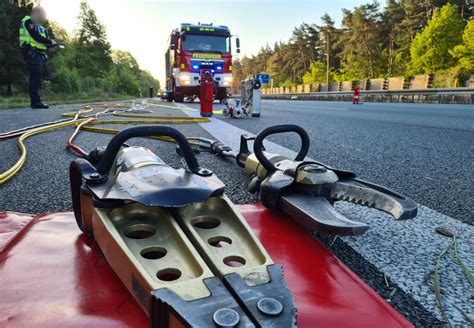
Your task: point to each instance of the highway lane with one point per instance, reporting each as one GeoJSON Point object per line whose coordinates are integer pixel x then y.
{"type": "Point", "coordinates": [432, 115]}
{"type": "Point", "coordinates": [423, 150]}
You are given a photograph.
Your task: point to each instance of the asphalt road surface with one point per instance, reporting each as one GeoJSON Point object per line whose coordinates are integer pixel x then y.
{"type": "Point", "coordinates": [422, 151]}
{"type": "Point", "coordinates": [425, 151]}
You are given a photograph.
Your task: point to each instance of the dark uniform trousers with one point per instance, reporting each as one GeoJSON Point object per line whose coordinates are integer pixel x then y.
{"type": "Point", "coordinates": [34, 59]}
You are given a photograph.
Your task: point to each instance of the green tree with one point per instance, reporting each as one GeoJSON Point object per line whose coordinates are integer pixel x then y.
{"type": "Point", "coordinates": [312, 41]}
{"type": "Point", "coordinates": [237, 74]}
{"type": "Point", "coordinates": [465, 7]}
{"type": "Point", "coordinates": [261, 60]}
{"type": "Point", "coordinates": [370, 43]}
{"type": "Point", "coordinates": [431, 49]}
{"type": "Point", "coordinates": [392, 19]}
{"type": "Point", "coordinates": [147, 80]}
{"type": "Point", "coordinates": [125, 60]}
{"type": "Point", "coordinates": [317, 73]}
{"type": "Point", "coordinates": [299, 52]}
{"type": "Point", "coordinates": [328, 44]}
{"type": "Point", "coordinates": [464, 53]}
{"type": "Point", "coordinates": [64, 76]}
{"type": "Point", "coordinates": [92, 50]}
{"type": "Point", "coordinates": [362, 46]}
{"type": "Point", "coordinates": [413, 22]}
{"type": "Point", "coordinates": [275, 65]}
{"type": "Point", "coordinates": [129, 78]}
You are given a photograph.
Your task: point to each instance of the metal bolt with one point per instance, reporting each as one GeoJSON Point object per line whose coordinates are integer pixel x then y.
{"type": "Point", "coordinates": [205, 172]}
{"type": "Point", "coordinates": [226, 317]}
{"type": "Point", "coordinates": [95, 175]}
{"type": "Point", "coordinates": [270, 306]}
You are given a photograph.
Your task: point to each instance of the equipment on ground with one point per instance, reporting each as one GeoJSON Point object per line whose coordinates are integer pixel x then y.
{"type": "Point", "coordinates": [251, 101]}
{"type": "Point", "coordinates": [206, 93]}
{"type": "Point", "coordinates": [193, 48]}
{"type": "Point", "coordinates": [233, 109]}
{"type": "Point", "coordinates": [306, 190]}
{"type": "Point", "coordinates": [175, 240]}
{"type": "Point", "coordinates": [252, 96]}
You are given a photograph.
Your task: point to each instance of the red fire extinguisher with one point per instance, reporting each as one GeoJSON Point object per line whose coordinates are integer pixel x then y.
{"type": "Point", "coordinates": [206, 93]}
{"type": "Point", "coordinates": [356, 97]}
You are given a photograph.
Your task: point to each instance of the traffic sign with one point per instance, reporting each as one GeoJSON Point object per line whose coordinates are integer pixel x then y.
{"type": "Point", "coordinates": [264, 78]}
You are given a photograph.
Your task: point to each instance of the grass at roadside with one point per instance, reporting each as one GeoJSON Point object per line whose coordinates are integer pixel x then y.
{"type": "Point", "coordinates": [24, 101]}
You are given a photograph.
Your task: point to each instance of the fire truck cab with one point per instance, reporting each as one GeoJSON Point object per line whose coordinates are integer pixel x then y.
{"type": "Point", "coordinates": [193, 48]}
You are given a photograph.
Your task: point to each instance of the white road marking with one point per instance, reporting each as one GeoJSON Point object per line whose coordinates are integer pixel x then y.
{"type": "Point", "coordinates": [405, 251]}
{"type": "Point", "coordinates": [312, 107]}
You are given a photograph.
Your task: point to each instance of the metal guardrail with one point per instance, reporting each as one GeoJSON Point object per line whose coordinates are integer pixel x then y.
{"type": "Point", "coordinates": [440, 96]}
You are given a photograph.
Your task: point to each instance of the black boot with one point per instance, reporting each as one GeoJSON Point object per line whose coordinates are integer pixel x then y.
{"type": "Point", "coordinates": [40, 106]}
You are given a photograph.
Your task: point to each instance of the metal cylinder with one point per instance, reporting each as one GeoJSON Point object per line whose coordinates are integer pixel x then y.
{"type": "Point", "coordinates": [206, 94]}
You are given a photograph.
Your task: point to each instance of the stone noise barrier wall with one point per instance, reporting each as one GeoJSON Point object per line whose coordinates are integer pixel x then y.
{"type": "Point", "coordinates": [431, 88]}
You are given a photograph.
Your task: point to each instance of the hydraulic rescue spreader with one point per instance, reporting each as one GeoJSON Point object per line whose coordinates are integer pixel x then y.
{"type": "Point", "coordinates": [176, 241]}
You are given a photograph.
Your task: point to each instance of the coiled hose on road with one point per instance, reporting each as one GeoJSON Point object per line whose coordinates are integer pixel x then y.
{"type": "Point", "coordinates": [81, 119]}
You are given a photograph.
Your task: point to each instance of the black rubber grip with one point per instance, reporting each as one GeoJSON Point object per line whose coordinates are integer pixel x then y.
{"type": "Point", "coordinates": [258, 144]}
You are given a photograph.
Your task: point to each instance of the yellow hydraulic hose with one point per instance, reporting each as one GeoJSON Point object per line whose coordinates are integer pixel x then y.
{"type": "Point", "coordinates": [8, 174]}
{"type": "Point", "coordinates": [215, 112]}
{"type": "Point", "coordinates": [78, 118]}
{"type": "Point", "coordinates": [166, 119]}
{"type": "Point", "coordinates": [113, 131]}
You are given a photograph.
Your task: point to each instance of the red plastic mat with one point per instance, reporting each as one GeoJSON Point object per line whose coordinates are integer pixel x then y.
{"type": "Point", "coordinates": [51, 275]}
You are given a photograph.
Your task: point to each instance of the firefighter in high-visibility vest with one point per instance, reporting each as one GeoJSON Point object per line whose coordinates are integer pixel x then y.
{"type": "Point", "coordinates": [34, 41]}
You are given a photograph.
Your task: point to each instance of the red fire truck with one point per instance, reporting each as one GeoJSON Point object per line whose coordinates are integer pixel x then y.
{"type": "Point", "coordinates": [193, 48]}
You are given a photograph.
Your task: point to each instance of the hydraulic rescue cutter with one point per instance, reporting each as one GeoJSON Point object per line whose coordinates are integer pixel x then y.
{"type": "Point", "coordinates": [306, 190]}
{"type": "Point", "coordinates": [175, 240]}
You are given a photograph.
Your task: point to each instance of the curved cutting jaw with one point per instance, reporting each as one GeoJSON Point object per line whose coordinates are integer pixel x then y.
{"type": "Point", "coordinates": [307, 190]}
{"type": "Point", "coordinates": [369, 194]}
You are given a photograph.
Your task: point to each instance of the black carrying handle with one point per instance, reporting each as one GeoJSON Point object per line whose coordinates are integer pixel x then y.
{"type": "Point", "coordinates": [78, 169]}
{"type": "Point", "coordinates": [258, 143]}
{"type": "Point", "coordinates": [116, 143]}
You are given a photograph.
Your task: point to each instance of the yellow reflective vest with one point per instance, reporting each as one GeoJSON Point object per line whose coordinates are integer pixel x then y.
{"type": "Point", "coordinates": [26, 38]}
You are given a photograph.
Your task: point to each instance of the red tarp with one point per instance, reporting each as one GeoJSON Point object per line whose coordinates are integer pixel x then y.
{"type": "Point", "coordinates": [51, 275]}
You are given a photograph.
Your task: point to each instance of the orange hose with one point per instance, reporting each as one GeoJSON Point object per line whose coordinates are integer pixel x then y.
{"type": "Point", "coordinates": [72, 146]}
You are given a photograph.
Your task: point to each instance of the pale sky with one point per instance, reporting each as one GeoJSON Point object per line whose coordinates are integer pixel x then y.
{"type": "Point", "coordinates": [143, 26]}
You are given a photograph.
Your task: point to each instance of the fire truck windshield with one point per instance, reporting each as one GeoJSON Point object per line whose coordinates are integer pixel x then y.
{"type": "Point", "coordinates": [206, 43]}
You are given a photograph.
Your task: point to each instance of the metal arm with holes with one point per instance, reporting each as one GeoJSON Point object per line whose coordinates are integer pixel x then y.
{"type": "Point", "coordinates": [175, 240]}
{"type": "Point", "coordinates": [306, 190]}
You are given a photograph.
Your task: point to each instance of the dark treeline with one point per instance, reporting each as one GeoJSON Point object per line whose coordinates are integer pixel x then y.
{"type": "Point", "coordinates": [87, 64]}
{"type": "Point", "coordinates": [404, 38]}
